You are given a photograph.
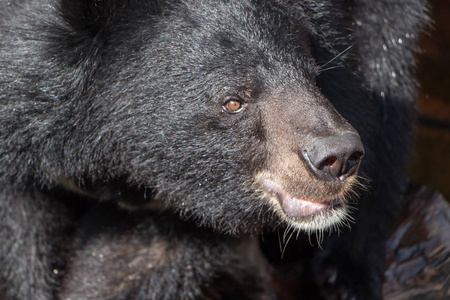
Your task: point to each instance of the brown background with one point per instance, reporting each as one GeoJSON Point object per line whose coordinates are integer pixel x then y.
{"type": "Point", "coordinates": [430, 163]}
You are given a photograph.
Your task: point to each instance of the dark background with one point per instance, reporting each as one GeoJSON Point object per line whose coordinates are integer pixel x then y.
{"type": "Point", "coordinates": [430, 163]}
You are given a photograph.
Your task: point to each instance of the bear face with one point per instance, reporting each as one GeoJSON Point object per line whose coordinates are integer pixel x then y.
{"type": "Point", "coordinates": [215, 123]}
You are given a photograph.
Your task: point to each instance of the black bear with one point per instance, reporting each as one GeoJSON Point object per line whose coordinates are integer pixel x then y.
{"type": "Point", "coordinates": [144, 145]}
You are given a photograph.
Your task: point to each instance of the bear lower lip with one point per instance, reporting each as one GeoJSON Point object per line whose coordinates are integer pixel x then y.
{"type": "Point", "coordinates": [297, 208]}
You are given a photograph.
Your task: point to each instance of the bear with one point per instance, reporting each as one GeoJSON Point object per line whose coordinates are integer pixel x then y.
{"type": "Point", "coordinates": [145, 146]}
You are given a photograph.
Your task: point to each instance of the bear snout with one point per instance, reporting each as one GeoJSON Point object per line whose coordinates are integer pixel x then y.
{"type": "Point", "coordinates": [335, 157]}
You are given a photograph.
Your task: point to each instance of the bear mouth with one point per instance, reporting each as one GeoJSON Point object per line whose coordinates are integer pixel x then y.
{"type": "Point", "coordinates": [298, 208]}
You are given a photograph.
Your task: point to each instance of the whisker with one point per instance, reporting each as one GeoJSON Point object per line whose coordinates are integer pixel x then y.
{"type": "Point", "coordinates": [321, 68]}
{"type": "Point", "coordinates": [319, 238]}
{"type": "Point", "coordinates": [286, 231]}
{"type": "Point", "coordinates": [285, 245]}
{"type": "Point", "coordinates": [330, 68]}
{"type": "Point", "coordinates": [309, 238]}
{"type": "Point", "coordinates": [279, 241]}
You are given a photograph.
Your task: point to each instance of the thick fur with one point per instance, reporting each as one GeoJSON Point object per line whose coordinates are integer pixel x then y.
{"type": "Point", "coordinates": [123, 177]}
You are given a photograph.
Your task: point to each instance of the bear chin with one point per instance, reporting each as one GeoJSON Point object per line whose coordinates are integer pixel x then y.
{"type": "Point", "coordinates": [304, 214]}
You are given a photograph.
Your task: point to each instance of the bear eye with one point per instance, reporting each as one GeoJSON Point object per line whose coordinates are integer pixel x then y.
{"type": "Point", "coordinates": [233, 106]}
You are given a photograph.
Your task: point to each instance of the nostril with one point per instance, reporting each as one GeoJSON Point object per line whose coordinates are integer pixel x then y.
{"type": "Point", "coordinates": [355, 158]}
{"type": "Point", "coordinates": [330, 166]}
{"type": "Point", "coordinates": [328, 162]}
{"type": "Point", "coordinates": [353, 163]}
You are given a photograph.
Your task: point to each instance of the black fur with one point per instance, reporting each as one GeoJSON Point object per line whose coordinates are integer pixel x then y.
{"type": "Point", "coordinates": [114, 141]}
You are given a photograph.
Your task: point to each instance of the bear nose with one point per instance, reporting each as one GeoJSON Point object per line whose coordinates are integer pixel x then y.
{"type": "Point", "coordinates": [335, 157]}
